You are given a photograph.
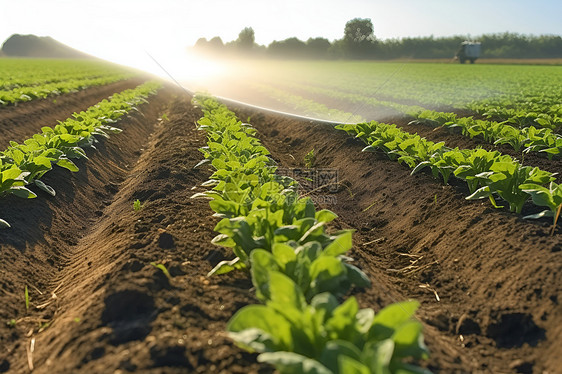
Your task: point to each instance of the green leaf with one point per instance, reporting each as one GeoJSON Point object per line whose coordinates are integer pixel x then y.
{"type": "Point", "coordinates": [224, 267]}
{"type": "Point", "coordinates": [480, 193]}
{"type": "Point", "coordinates": [44, 187]}
{"type": "Point", "coordinates": [357, 277]}
{"type": "Point", "coordinates": [407, 340]}
{"type": "Point", "coordinates": [67, 164]}
{"type": "Point", "coordinates": [378, 355]}
{"type": "Point", "coordinates": [325, 215]}
{"type": "Point", "coordinates": [326, 273]}
{"type": "Point", "coordinates": [22, 192]}
{"type": "Point", "coordinates": [342, 322]}
{"type": "Point", "coordinates": [10, 174]}
{"type": "Point", "coordinates": [340, 245]}
{"type": "Point", "coordinates": [286, 296]}
{"type": "Point", "coordinates": [293, 363]}
{"type": "Point", "coordinates": [262, 264]}
{"type": "Point", "coordinates": [391, 318]}
{"type": "Point", "coordinates": [334, 350]}
{"type": "Point", "coordinates": [266, 319]}
{"type": "Point", "coordinates": [283, 254]}
{"type": "Point", "coordinates": [420, 167]}
{"type": "Point", "coordinates": [348, 365]}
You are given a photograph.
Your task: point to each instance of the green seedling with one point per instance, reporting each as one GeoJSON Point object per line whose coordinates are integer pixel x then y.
{"type": "Point", "coordinates": [26, 296]}
{"type": "Point", "coordinates": [11, 323]}
{"type": "Point", "coordinates": [137, 205]}
{"type": "Point", "coordinates": [310, 159]}
{"type": "Point", "coordinates": [162, 268]}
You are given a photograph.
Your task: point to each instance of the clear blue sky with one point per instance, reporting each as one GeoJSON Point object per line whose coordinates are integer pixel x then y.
{"type": "Point", "coordinates": [118, 29]}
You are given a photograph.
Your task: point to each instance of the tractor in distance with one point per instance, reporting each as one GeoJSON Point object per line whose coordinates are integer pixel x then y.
{"type": "Point", "coordinates": [468, 51]}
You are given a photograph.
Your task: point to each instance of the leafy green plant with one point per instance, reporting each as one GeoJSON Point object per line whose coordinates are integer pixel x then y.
{"type": "Point", "coordinates": [312, 268]}
{"type": "Point", "coordinates": [325, 337]}
{"type": "Point", "coordinates": [487, 173]}
{"type": "Point", "coordinates": [550, 197]}
{"type": "Point", "coordinates": [505, 179]}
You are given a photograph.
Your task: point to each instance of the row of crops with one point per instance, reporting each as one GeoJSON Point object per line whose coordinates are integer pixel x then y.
{"type": "Point", "coordinates": [23, 165]}
{"type": "Point", "coordinates": [531, 133]}
{"type": "Point", "coordinates": [488, 174]}
{"type": "Point", "coordinates": [299, 269]}
{"type": "Point", "coordinates": [30, 79]}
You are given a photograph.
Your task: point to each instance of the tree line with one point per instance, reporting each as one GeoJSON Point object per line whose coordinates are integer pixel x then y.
{"type": "Point", "coordinates": [359, 42]}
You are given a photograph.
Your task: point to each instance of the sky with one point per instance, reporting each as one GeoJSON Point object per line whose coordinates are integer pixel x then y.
{"type": "Point", "coordinates": [123, 30]}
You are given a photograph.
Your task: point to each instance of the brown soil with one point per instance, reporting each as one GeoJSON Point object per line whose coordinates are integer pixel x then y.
{"type": "Point", "coordinates": [496, 275]}
{"type": "Point", "coordinates": [16, 120]}
{"type": "Point", "coordinates": [113, 310]}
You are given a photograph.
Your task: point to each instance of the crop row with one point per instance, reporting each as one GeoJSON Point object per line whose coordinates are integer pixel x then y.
{"type": "Point", "coordinates": [298, 269]}
{"type": "Point", "coordinates": [487, 173]}
{"type": "Point", "coordinates": [32, 92]}
{"type": "Point", "coordinates": [542, 109]}
{"type": "Point", "coordinates": [22, 165]}
{"type": "Point", "coordinates": [19, 72]}
{"type": "Point", "coordinates": [527, 139]}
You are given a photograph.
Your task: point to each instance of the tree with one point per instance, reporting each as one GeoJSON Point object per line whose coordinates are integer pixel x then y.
{"type": "Point", "coordinates": [246, 39]}
{"type": "Point", "coordinates": [318, 47]}
{"type": "Point", "coordinates": [288, 48]}
{"type": "Point", "coordinates": [358, 37]}
{"type": "Point", "coordinates": [358, 30]}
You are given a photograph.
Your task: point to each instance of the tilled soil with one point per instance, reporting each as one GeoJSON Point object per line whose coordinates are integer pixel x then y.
{"type": "Point", "coordinates": [486, 279]}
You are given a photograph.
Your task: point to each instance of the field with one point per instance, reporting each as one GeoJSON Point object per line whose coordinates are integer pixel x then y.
{"type": "Point", "coordinates": [111, 219]}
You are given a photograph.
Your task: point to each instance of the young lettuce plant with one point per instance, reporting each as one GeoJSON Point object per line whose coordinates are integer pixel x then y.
{"type": "Point", "coordinates": [505, 180]}
{"type": "Point", "coordinates": [314, 269]}
{"type": "Point", "coordinates": [267, 224]}
{"type": "Point", "coordinates": [327, 338]}
{"type": "Point", "coordinates": [550, 197]}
